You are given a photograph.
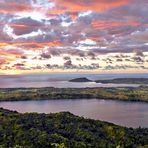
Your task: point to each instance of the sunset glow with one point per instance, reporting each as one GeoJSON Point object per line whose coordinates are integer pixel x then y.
{"type": "Point", "coordinates": [39, 36]}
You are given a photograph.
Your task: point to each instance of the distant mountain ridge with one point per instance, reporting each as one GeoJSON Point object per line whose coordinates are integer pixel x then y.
{"type": "Point", "coordinates": [125, 81]}
{"type": "Point", "coordinates": [116, 80]}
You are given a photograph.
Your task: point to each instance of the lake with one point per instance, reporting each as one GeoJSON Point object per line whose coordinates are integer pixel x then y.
{"type": "Point", "coordinates": [129, 114]}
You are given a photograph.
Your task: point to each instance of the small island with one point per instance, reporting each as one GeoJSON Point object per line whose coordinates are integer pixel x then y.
{"type": "Point", "coordinates": [83, 79]}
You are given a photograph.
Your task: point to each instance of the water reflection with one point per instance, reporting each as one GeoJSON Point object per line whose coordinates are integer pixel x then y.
{"type": "Point", "coordinates": [130, 114]}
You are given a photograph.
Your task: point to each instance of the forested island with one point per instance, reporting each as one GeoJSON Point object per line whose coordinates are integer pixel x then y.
{"type": "Point", "coordinates": [120, 93]}
{"type": "Point", "coordinates": [65, 130]}
{"type": "Point", "coordinates": [83, 79]}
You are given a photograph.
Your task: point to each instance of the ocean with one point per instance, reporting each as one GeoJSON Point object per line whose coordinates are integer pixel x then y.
{"type": "Point", "coordinates": [60, 80]}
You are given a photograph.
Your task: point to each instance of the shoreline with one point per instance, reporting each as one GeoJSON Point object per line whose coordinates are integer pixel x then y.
{"type": "Point", "coordinates": [79, 116]}
{"type": "Point", "coordinates": [44, 99]}
{"type": "Point", "coordinates": [86, 118]}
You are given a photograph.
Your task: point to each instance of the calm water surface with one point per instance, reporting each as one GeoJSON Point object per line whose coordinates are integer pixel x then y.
{"type": "Point", "coordinates": [60, 80]}
{"type": "Point", "coordinates": [130, 114]}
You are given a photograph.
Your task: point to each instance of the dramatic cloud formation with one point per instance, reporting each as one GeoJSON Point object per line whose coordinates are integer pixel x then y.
{"type": "Point", "coordinates": [45, 35]}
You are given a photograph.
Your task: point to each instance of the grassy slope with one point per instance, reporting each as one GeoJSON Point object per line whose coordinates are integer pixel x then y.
{"type": "Point", "coordinates": [127, 94]}
{"type": "Point", "coordinates": [63, 130]}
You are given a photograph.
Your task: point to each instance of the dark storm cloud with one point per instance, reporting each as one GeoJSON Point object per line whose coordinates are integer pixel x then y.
{"type": "Point", "coordinates": [138, 52]}
{"type": "Point", "coordinates": [116, 67]}
{"type": "Point", "coordinates": [25, 26]}
{"type": "Point", "coordinates": [66, 58]}
{"type": "Point", "coordinates": [68, 64]}
{"type": "Point", "coordinates": [45, 56]}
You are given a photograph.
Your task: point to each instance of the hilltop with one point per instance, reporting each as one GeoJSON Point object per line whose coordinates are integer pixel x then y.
{"type": "Point", "coordinates": [65, 130]}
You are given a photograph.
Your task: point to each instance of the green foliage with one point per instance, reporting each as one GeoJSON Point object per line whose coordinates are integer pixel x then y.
{"type": "Point", "coordinates": [126, 94]}
{"type": "Point", "coordinates": [64, 130]}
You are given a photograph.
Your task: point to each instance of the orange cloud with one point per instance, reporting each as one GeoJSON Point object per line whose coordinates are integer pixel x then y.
{"type": "Point", "coordinates": [18, 26]}
{"type": "Point", "coordinates": [5, 60]}
{"type": "Point", "coordinates": [83, 5]}
{"type": "Point", "coordinates": [9, 8]}
{"type": "Point", "coordinates": [96, 38]}
{"type": "Point", "coordinates": [3, 44]}
{"type": "Point", "coordinates": [10, 52]}
{"type": "Point", "coordinates": [31, 45]}
{"type": "Point", "coordinates": [109, 24]}
{"type": "Point", "coordinates": [73, 16]}
{"type": "Point", "coordinates": [38, 46]}
{"type": "Point", "coordinates": [2, 61]}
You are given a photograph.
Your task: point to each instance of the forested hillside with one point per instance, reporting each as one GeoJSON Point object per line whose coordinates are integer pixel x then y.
{"type": "Point", "coordinates": [65, 130]}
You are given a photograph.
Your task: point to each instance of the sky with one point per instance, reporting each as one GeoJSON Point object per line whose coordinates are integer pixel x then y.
{"type": "Point", "coordinates": [38, 36]}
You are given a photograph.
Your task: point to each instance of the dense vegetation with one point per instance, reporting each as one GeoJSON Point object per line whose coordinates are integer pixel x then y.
{"type": "Point", "coordinates": [127, 94]}
{"type": "Point", "coordinates": [125, 81]}
{"type": "Point", "coordinates": [64, 130]}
